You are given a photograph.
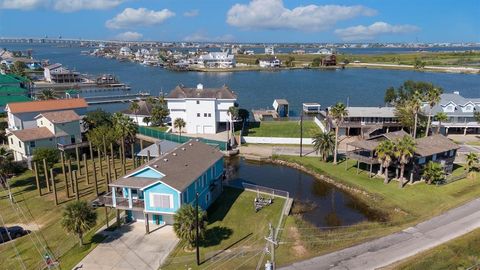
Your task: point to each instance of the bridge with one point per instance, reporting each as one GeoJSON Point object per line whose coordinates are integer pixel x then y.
{"type": "Point", "coordinates": [72, 41]}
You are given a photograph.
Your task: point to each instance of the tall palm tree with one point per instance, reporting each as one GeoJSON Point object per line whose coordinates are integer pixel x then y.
{"type": "Point", "coordinates": [433, 171]}
{"type": "Point", "coordinates": [404, 151]}
{"type": "Point", "coordinates": [441, 117]}
{"type": "Point", "coordinates": [470, 160]}
{"type": "Point", "coordinates": [134, 107]}
{"type": "Point", "coordinates": [179, 124]}
{"type": "Point", "coordinates": [416, 104]}
{"type": "Point", "coordinates": [432, 97]}
{"type": "Point", "coordinates": [125, 130]}
{"type": "Point", "coordinates": [184, 224]}
{"type": "Point", "coordinates": [385, 152]}
{"type": "Point", "coordinates": [338, 114]}
{"type": "Point", "coordinates": [324, 143]}
{"type": "Point", "coordinates": [47, 94]}
{"type": "Point", "coordinates": [78, 217]}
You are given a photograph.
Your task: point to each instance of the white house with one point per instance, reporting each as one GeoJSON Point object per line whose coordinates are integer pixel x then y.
{"type": "Point", "coordinates": [217, 60]}
{"type": "Point", "coordinates": [269, 63]}
{"type": "Point", "coordinates": [269, 50]}
{"type": "Point", "coordinates": [125, 51]}
{"type": "Point", "coordinates": [145, 110]}
{"type": "Point", "coordinates": [202, 109]}
{"type": "Point", "coordinates": [56, 73]}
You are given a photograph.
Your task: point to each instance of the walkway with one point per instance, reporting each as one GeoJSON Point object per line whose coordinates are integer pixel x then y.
{"type": "Point", "coordinates": [398, 246]}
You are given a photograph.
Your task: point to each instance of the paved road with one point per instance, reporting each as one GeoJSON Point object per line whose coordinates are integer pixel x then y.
{"type": "Point", "coordinates": [398, 246]}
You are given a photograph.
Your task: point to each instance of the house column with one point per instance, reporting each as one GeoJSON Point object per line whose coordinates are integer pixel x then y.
{"type": "Point", "coordinates": [130, 201]}
{"type": "Point", "coordinates": [114, 199]}
{"type": "Point", "coordinates": [465, 131]}
{"type": "Point", "coordinates": [147, 225]}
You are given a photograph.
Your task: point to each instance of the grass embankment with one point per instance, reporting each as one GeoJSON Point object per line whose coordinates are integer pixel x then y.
{"type": "Point", "coordinates": [401, 208]}
{"type": "Point", "coordinates": [286, 129]}
{"type": "Point", "coordinates": [43, 212]}
{"type": "Point", "coordinates": [235, 234]}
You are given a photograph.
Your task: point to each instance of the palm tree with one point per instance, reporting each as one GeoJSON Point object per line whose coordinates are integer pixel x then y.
{"type": "Point", "coordinates": [432, 97]}
{"type": "Point", "coordinates": [338, 114]}
{"type": "Point", "coordinates": [179, 124]}
{"type": "Point", "coordinates": [432, 172]}
{"type": "Point", "coordinates": [147, 120]}
{"type": "Point", "coordinates": [134, 107]}
{"type": "Point", "coordinates": [404, 151]}
{"type": "Point", "coordinates": [184, 224]}
{"type": "Point", "coordinates": [125, 130]}
{"type": "Point", "coordinates": [47, 94]}
{"type": "Point", "coordinates": [78, 217]}
{"type": "Point", "coordinates": [324, 143]}
{"type": "Point", "coordinates": [471, 158]}
{"type": "Point", "coordinates": [416, 104]}
{"type": "Point", "coordinates": [441, 117]}
{"type": "Point", "coordinates": [385, 152]}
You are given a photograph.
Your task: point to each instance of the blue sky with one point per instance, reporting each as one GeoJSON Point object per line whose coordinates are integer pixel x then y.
{"type": "Point", "coordinates": [245, 20]}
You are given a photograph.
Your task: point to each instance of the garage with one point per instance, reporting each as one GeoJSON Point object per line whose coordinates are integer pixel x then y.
{"type": "Point", "coordinates": [208, 130]}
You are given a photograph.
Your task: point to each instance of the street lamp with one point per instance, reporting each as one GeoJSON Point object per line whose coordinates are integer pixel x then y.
{"type": "Point", "coordinates": [196, 227]}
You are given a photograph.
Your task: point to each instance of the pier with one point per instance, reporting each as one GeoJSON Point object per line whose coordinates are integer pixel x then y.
{"type": "Point", "coordinates": [116, 98]}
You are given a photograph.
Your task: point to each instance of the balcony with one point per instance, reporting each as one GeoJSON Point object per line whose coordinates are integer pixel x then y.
{"type": "Point", "coordinates": [63, 147]}
{"type": "Point", "coordinates": [123, 203]}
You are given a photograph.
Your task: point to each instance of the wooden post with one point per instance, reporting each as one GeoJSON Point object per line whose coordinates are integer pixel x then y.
{"type": "Point", "coordinates": [62, 159]}
{"type": "Point", "coordinates": [100, 161]}
{"type": "Point", "coordinates": [148, 155]}
{"type": "Point", "coordinates": [45, 170]}
{"type": "Point", "coordinates": [147, 229]}
{"type": "Point", "coordinates": [112, 157]}
{"type": "Point", "coordinates": [91, 150]}
{"type": "Point", "coordinates": [70, 172]}
{"type": "Point", "coordinates": [106, 215]}
{"type": "Point", "coordinates": [37, 179]}
{"type": "Point", "coordinates": [95, 180]}
{"type": "Point", "coordinates": [85, 164]}
{"type": "Point", "coordinates": [79, 165]}
{"type": "Point", "coordinates": [107, 178]}
{"type": "Point", "coordinates": [109, 169]}
{"type": "Point", "coordinates": [115, 174]}
{"type": "Point", "coordinates": [104, 145]}
{"type": "Point", "coordinates": [54, 186]}
{"type": "Point", "coordinates": [118, 218]}
{"type": "Point", "coordinates": [77, 193]}
{"type": "Point", "coordinates": [132, 149]}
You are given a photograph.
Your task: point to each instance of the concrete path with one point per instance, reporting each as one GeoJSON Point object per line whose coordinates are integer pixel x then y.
{"type": "Point", "coordinates": [129, 248]}
{"type": "Point", "coordinates": [398, 246]}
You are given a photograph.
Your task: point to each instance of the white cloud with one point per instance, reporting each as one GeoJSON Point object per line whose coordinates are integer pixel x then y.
{"type": "Point", "coordinates": [21, 4]}
{"type": "Point", "coordinates": [75, 5]}
{"type": "Point", "coordinates": [130, 18]}
{"type": "Point", "coordinates": [361, 32]}
{"type": "Point", "coordinates": [272, 14]}
{"type": "Point", "coordinates": [129, 36]}
{"type": "Point", "coordinates": [191, 13]}
{"type": "Point", "coordinates": [202, 36]}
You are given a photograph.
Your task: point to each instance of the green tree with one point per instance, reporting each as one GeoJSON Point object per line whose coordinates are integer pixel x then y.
{"type": "Point", "coordinates": [184, 224]}
{"type": "Point", "coordinates": [316, 62]}
{"type": "Point", "coordinates": [324, 143]}
{"type": "Point", "coordinates": [97, 118]}
{"type": "Point", "coordinates": [432, 97]}
{"type": "Point", "coordinates": [18, 68]}
{"type": "Point", "coordinates": [441, 117]}
{"type": "Point", "coordinates": [125, 128]}
{"type": "Point", "coordinates": [96, 135]}
{"type": "Point", "coordinates": [338, 114]}
{"type": "Point", "coordinates": [78, 218]}
{"type": "Point", "coordinates": [385, 153]}
{"type": "Point", "coordinates": [432, 172]}
{"type": "Point", "coordinates": [470, 160]}
{"type": "Point", "coordinates": [476, 115]}
{"type": "Point", "coordinates": [290, 61]}
{"type": "Point", "coordinates": [243, 114]}
{"type": "Point", "coordinates": [404, 151]}
{"type": "Point", "coordinates": [159, 114]}
{"type": "Point", "coordinates": [51, 155]}
{"type": "Point", "coordinates": [390, 95]}
{"type": "Point", "coordinates": [134, 107]}
{"type": "Point", "coordinates": [147, 120]}
{"type": "Point", "coordinates": [47, 94]}
{"type": "Point", "coordinates": [418, 64]}
{"type": "Point", "coordinates": [415, 103]}
{"type": "Point", "coordinates": [179, 124]}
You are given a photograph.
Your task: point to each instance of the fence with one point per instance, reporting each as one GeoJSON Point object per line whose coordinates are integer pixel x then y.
{"type": "Point", "coordinates": [275, 140]}
{"type": "Point", "coordinates": [320, 124]}
{"type": "Point", "coordinates": [266, 190]}
{"type": "Point", "coordinates": [150, 132]}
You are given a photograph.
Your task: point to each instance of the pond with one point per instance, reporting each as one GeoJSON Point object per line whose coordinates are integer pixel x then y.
{"type": "Point", "coordinates": [322, 204]}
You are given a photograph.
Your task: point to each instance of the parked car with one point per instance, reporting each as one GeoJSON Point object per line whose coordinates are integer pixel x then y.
{"type": "Point", "coordinates": [14, 231]}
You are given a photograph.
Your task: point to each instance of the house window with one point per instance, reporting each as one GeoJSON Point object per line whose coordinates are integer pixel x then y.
{"type": "Point", "coordinates": [209, 115]}
{"type": "Point", "coordinates": [434, 157]}
{"type": "Point", "coordinates": [204, 178]}
{"type": "Point", "coordinates": [421, 160]}
{"type": "Point", "coordinates": [198, 114]}
{"type": "Point", "coordinates": [198, 101]}
{"type": "Point", "coordinates": [159, 200]}
{"type": "Point", "coordinates": [207, 197]}
{"type": "Point", "coordinates": [72, 138]}
{"type": "Point", "coordinates": [11, 140]}
{"type": "Point", "coordinates": [19, 144]}
{"type": "Point", "coordinates": [451, 153]}
{"type": "Point", "coordinates": [32, 144]}
{"type": "Point", "coordinates": [205, 115]}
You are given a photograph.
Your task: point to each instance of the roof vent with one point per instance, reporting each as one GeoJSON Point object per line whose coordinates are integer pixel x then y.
{"type": "Point", "coordinates": [456, 92]}
{"type": "Point", "coordinates": [200, 86]}
{"type": "Point", "coordinates": [174, 154]}
{"type": "Point", "coordinates": [183, 148]}
{"type": "Point", "coordinates": [165, 159]}
{"type": "Point", "coordinates": [155, 166]}
{"type": "Point", "coordinates": [197, 140]}
{"type": "Point", "coordinates": [190, 144]}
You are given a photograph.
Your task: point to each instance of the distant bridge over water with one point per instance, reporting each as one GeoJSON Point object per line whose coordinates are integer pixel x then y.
{"type": "Point", "coordinates": [70, 41]}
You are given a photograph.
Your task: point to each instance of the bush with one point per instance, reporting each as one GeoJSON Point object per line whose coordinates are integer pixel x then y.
{"type": "Point", "coordinates": [51, 155]}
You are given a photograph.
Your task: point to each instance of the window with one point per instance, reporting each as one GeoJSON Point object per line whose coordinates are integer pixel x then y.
{"type": "Point", "coordinates": [207, 197]}
{"type": "Point", "coordinates": [421, 160]}
{"type": "Point", "coordinates": [204, 178]}
{"type": "Point", "coordinates": [209, 115]}
{"type": "Point", "coordinates": [198, 101]}
{"type": "Point", "coordinates": [11, 140]}
{"type": "Point", "coordinates": [205, 115]}
{"type": "Point", "coordinates": [72, 139]}
{"type": "Point", "coordinates": [434, 157]}
{"type": "Point", "coordinates": [198, 114]}
{"type": "Point", "coordinates": [32, 144]}
{"type": "Point", "coordinates": [159, 200]}
{"type": "Point", "coordinates": [19, 144]}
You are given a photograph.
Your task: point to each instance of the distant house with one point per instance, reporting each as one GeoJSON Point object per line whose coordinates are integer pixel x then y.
{"type": "Point", "coordinates": [56, 73]}
{"type": "Point", "coordinates": [21, 115]}
{"type": "Point", "coordinates": [269, 62]}
{"type": "Point", "coordinates": [270, 50]}
{"type": "Point", "coordinates": [145, 110]}
{"type": "Point", "coordinates": [155, 191]}
{"type": "Point", "coordinates": [329, 60]}
{"type": "Point", "coordinates": [281, 107]}
{"type": "Point", "coordinates": [216, 60]}
{"type": "Point", "coordinates": [460, 112]}
{"type": "Point", "coordinates": [29, 62]}
{"type": "Point", "coordinates": [53, 129]}
{"type": "Point", "coordinates": [202, 109]}
{"type": "Point", "coordinates": [125, 51]}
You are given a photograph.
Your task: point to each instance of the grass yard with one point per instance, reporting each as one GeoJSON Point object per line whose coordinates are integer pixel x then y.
{"type": "Point", "coordinates": [43, 212]}
{"type": "Point", "coordinates": [162, 129]}
{"type": "Point", "coordinates": [287, 129]}
{"type": "Point", "coordinates": [235, 234]}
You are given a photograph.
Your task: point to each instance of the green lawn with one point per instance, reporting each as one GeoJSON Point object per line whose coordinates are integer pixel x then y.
{"type": "Point", "coordinates": [162, 129]}
{"type": "Point", "coordinates": [460, 253]}
{"type": "Point", "coordinates": [235, 234]}
{"type": "Point", "coordinates": [287, 129]}
{"type": "Point", "coordinates": [42, 211]}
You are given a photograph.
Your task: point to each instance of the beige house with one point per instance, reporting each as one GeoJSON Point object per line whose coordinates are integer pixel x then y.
{"type": "Point", "coordinates": [54, 129]}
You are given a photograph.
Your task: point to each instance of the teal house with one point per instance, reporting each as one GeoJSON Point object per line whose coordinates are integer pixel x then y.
{"type": "Point", "coordinates": [156, 190]}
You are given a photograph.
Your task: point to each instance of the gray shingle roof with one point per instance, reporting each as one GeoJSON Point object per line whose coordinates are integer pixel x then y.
{"type": "Point", "coordinates": [458, 100]}
{"type": "Point", "coordinates": [165, 146]}
{"type": "Point", "coordinates": [371, 112]}
{"type": "Point", "coordinates": [219, 93]}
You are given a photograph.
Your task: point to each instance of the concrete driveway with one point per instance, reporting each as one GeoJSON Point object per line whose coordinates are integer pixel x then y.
{"type": "Point", "coordinates": [129, 248]}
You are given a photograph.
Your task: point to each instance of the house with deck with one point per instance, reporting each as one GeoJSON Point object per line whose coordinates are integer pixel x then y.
{"type": "Point", "coordinates": [153, 192]}
{"type": "Point", "coordinates": [57, 73]}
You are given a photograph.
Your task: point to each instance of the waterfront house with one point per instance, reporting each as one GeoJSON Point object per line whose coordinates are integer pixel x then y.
{"type": "Point", "coordinates": [269, 62]}
{"type": "Point", "coordinates": [53, 129]}
{"type": "Point", "coordinates": [56, 73]}
{"type": "Point", "coordinates": [145, 110]}
{"type": "Point", "coordinates": [460, 112]}
{"type": "Point", "coordinates": [216, 60]}
{"type": "Point", "coordinates": [311, 108]}
{"type": "Point", "coordinates": [125, 51]}
{"type": "Point", "coordinates": [204, 110]}
{"type": "Point", "coordinates": [281, 107]}
{"type": "Point", "coordinates": [156, 190]}
{"type": "Point", "coordinates": [437, 148]}
{"type": "Point", "coordinates": [21, 115]}
{"type": "Point", "coordinates": [270, 50]}
{"type": "Point", "coordinates": [30, 63]}
{"type": "Point", "coordinates": [329, 60]}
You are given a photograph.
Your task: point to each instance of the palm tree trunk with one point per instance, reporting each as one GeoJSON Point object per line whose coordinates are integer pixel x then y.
{"type": "Point", "coordinates": [400, 180]}
{"type": "Point", "coordinates": [428, 126]}
{"type": "Point", "coordinates": [336, 146]}
{"type": "Point", "coordinates": [439, 126]}
{"type": "Point", "coordinates": [80, 239]}
{"type": "Point", "coordinates": [415, 126]}
{"type": "Point", "coordinates": [385, 181]}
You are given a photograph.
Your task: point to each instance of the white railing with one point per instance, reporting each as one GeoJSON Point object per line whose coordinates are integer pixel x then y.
{"type": "Point", "coordinates": [320, 124]}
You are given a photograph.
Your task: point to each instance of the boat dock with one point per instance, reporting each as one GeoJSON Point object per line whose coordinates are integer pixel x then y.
{"type": "Point", "coordinates": [116, 98]}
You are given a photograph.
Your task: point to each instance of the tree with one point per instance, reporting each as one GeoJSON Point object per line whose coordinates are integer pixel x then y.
{"type": "Point", "coordinates": [404, 151]}
{"type": "Point", "coordinates": [18, 68]}
{"type": "Point", "coordinates": [47, 94]}
{"type": "Point", "coordinates": [476, 115]}
{"type": "Point", "coordinates": [390, 95]}
{"type": "Point", "coordinates": [78, 218]}
{"type": "Point", "coordinates": [125, 128]}
{"type": "Point", "coordinates": [184, 224]}
{"type": "Point", "coordinates": [134, 107]}
{"type": "Point", "coordinates": [97, 118]}
{"type": "Point", "coordinates": [441, 117]}
{"type": "Point", "coordinates": [338, 114]}
{"type": "Point", "coordinates": [470, 160]}
{"type": "Point", "coordinates": [385, 152]}
{"type": "Point", "coordinates": [316, 62]}
{"type": "Point", "coordinates": [432, 98]}
{"type": "Point", "coordinates": [290, 61]}
{"type": "Point", "coordinates": [433, 172]}
{"type": "Point", "coordinates": [324, 143]}
{"type": "Point", "coordinates": [243, 114]}
{"type": "Point", "coordinates": [51, 155]}
{"type": "Point", "coordinates": [159, 114]}
{"type": "Point", "coordinates": [96, 135]}
{"type": "Point", "coordinates": [179, 124]}
{"type": "Point", "coordinates": [146, 120]}
{"type": "Point", "coordinates": [418, 64]}
{"type": "Point", "coordinates": [415, 104]}
{"type": "Point", "coordinates": [233, 111]}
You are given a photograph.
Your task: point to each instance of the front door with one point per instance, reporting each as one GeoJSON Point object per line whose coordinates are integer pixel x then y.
{"type": "Point", "coordinates": [158, 219]}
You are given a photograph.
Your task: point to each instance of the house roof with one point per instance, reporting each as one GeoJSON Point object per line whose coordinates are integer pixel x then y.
{"type": "Point", "coordinates": [58, 117]}
{"type": "Point", "coordinates": [134, 182]}
{"type": "Point", "coordinates": [11, 78]}
{"type": "Point", "coordinates": [371, 111]}
{"type": "Point", "coordinates": [53, 66]}
{"type": "Point", "coordinates": [31, 134]}
{"type": "Point", "coordinates": [457, 100]}
{"type": "Point", "coordinates": [281, 101]}
{"type": "Point", "coordinates": [47, 105]}
{"type": "Point", "coordinates": [165, 146]}
{"type": "Point", "coordinates": [434, 144]}
{"type": "Point", "coordinates": [4, 100]}
{"type": "Point", "coordinates": [145, 108]}
{"type": "Point", "coordinates": [8, 89]}
{"type": "Point", "coordinates": [219, 93]}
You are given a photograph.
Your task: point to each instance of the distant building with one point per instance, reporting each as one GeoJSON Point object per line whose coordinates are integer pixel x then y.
{"type": "Point", "coordinates": [270, 50]}
{"type": "Point", "coordinates": [29, 62]}
{"type": "Point", "coordinates": [216, 60]}
{"type": "Point", "coordinates": [145, 110]}
{"type": "Point", "coordinates": [270, 63]}
{"type": "Point", "coordinates": [329, 60]}
{"type": "Point", "coordinates": [281, 107]}
{"type": "Point", "coordinates": [56, 73]}
{"type": "Point", "coordinates": [125, 51]}
{"type": "Point", "coordinates": [202, 109]}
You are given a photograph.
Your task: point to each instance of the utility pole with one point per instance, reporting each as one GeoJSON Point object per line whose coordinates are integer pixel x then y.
{"type": "Point", "coordinates": [271, 239]}
{"type": "Point", "coordinates": [301, 134]}
{"type": "Point", "coordinates": [196, 227]}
